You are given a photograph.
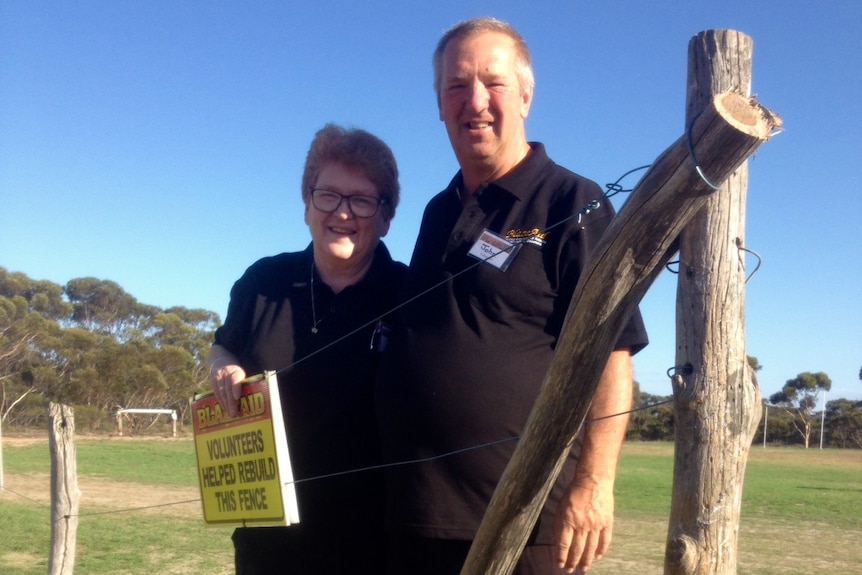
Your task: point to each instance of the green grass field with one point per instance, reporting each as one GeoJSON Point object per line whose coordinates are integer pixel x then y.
{"type": "Point", "coordinates": [802, 511]}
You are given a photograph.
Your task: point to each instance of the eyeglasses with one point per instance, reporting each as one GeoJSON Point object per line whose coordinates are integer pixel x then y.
{"type": "Point", "coordinates": [360, 206]}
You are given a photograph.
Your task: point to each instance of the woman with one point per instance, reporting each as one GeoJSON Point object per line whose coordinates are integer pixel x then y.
{"type": "Point", "coordinates": [314, 316]}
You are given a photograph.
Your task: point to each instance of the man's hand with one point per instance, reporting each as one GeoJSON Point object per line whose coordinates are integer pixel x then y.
{"type": "Point", "coordinates": [585, 517]}
{"type": "Point", "coordinates": [584, 524]}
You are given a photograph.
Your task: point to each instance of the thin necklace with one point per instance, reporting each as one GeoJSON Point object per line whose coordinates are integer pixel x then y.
{"type": "Point", "coordinates": [314, 319]}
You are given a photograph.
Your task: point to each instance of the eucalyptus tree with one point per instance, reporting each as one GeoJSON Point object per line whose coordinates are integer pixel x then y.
{"type": "Point", "coordinates": [91, 344]}
{"type": "Point", "coordinates": [798, 398]}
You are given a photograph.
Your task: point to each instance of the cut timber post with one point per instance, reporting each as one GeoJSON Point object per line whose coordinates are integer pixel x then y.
{"type": "Point", "coordinates": [65, 495]}
{"type": "Point", "coordinates": [627, 259]}
{"type": "Point", "coordinates": [717, 404]}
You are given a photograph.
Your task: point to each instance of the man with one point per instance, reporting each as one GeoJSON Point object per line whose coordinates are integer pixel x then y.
{"type": "Point", "coordinates": [479, 332]}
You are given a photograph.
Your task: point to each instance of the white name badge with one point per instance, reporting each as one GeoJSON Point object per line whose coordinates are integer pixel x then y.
{"type": "Point", "coordinates": [494, 250]}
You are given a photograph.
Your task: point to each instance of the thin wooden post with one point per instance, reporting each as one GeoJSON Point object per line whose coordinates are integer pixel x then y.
{"type": "Point", "coordinates": [625, 262]}
{"type": "Point", "coordinates": [717, 405]}
{"type": "Point", "coordinates": [65, 495]}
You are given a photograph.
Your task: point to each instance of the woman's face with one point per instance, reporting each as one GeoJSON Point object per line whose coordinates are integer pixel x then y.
{"type": "Point", "coordinates": [340, 236]}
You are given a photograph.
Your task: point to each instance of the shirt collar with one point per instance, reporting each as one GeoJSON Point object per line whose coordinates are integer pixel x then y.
{"type": "Point", "coordinates": [519, 181]}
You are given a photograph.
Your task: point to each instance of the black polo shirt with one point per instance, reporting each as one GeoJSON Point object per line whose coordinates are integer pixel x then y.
{"type": "Point", "coordinates": [476, 342]}
{"type": "Point", "coordinates": [326, 379]}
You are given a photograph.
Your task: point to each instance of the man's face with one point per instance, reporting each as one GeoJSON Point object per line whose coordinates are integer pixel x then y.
{"type": "Point", "coordinates": [482, 104]}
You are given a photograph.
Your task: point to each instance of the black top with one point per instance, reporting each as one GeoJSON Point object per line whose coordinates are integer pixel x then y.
{"type": "Point", "coordinates": [466, 366]}
{"type": "Point", "coordinates": [325, 378]}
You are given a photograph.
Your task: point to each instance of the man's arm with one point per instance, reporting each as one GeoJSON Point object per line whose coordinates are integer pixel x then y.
{"type": "Point", "coordinates": [585, 518]}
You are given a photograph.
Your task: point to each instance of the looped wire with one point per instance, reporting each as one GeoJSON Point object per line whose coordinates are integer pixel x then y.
{"type": "Point", "coordinates": [752, 252]}
{"type": "Point", "coordinates": [585, 211]}
{"type": "Point", "coordinates": [694, 159]}
{"type": "Point", "coordinates": [615, 188]}
{"type": "Point", "coordinates": [686, 369]}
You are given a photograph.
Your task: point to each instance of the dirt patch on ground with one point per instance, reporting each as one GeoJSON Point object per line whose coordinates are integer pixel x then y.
{"type": "Point", "coordinates": [19, 561]}
{"type": "Point", "coordinates": [27, 438]}
{"type": "Point", "coordinates": [100, 495]}
{"type": "Point", "coordinates": [24, 440]}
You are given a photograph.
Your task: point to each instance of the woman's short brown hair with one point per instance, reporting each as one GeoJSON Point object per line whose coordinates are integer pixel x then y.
{"type": "Point", "coordinates": [355, 149]}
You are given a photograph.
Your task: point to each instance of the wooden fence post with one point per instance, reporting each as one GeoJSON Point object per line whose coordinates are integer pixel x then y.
{"type": "Point", "coordinates": [624, 264]}
{"type": "Point", "coordinates": [716, 401]}
{"type": "Point", "coordinates": [717, 405]}
{"type": "Point", "coordinates": [65, 495]}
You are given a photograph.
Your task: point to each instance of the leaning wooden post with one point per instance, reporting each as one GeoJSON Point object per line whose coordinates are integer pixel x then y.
{"type": "Point", "coordinates": [627, 259]}
{"type": "Point", "coordinates": [65, 495]}
{"type": "Point", "coordinates": [717, 405]}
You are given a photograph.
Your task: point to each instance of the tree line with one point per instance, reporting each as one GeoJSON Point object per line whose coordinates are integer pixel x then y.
{"type": "Point", "coordinates": [788, 416]}
{"type": "Point", "coordinates": [91, 345]}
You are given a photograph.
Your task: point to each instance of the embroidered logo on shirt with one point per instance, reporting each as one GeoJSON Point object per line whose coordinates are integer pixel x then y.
{"type": "Point", "coordinates": [534, 236]}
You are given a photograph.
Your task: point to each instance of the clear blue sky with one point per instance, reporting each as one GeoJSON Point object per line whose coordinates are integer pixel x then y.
{"type": "Point", "coordinates": [159, 144]}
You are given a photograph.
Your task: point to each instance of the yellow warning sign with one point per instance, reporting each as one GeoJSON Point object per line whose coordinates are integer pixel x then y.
{"type": "Point", "coordinates": [243, 461]}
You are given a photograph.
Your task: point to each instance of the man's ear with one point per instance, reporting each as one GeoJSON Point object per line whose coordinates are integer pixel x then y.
{"type": "Point", "coordinates": [526, 101]}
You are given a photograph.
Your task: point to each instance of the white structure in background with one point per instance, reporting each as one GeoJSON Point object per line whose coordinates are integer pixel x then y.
{"type": "Point", "coordinates": [171, 412]}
